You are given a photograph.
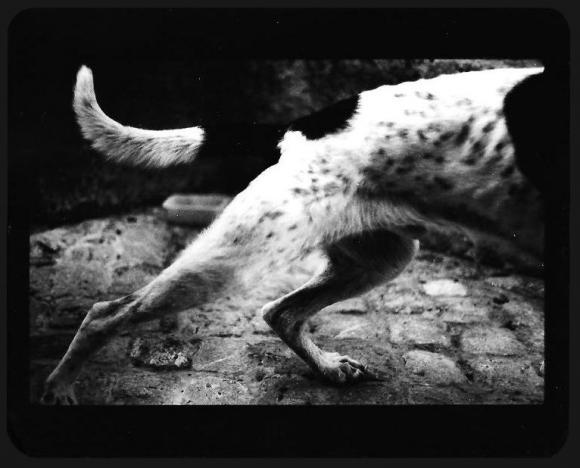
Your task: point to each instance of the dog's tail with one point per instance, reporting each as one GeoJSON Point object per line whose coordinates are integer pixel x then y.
{"type": "Point", "coordinates": [131, 145]}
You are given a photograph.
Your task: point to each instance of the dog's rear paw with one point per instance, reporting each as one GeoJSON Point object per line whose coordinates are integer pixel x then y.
{"type": "Point", "coordinates": [58, 396]}
{"type": "Point", "coordinates": [341, 370]}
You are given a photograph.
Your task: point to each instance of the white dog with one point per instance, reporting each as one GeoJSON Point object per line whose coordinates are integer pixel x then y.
{"type": "Point", "coordinates": [360, 181]}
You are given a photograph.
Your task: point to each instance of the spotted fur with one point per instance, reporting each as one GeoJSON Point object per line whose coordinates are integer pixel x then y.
{"type": "Point", "coordinates": [360, 182]}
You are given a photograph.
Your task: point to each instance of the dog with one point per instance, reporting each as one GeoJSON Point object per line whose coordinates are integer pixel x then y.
{"type": "Point", "coordinates": [361, 182]}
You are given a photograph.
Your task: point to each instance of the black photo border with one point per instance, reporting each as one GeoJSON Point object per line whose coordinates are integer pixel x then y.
{"type": "Point", "coordinates": [264, 431]}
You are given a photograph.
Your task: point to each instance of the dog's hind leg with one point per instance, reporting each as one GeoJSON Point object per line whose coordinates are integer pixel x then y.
{"type": "Point", "coordinates": [185, 284]}
{"type": "Point", "coordinates": [355, 265]}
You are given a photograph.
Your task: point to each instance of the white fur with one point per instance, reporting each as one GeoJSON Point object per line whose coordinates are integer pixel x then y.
{"type": "Point", "coordinates": [131, 145]}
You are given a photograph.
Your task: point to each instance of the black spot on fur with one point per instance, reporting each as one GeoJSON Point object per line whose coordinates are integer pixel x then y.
{"type": "Point", "coordinates": [488, 127]}
{"type": "Point", "coordinates": [270, 215]}
{"type": "Point", "coordinates": [344, 179]}
{"type": "Point", "coordinates": [508, 171]}
{"type": "Point", "coordinates": [445, 136]}
{"type": "Point", "coordinates": [294, 226]}
{"type": "Point", "coordinates": [443, 183]}
{"type": "Point", "coordinates": [470, 160]}
{"type": "Point", "coordinates": [327, 121]}
{"type": "Point", "coordinates": [299, 191]}
{"type": "Point", "coordinates": [331, 187]}
{"type": "Point", "coordinates": [403, 133]}
{"type": "Point", "coordinates": [427, 96]}
{"type": "Point", "coordinates": [462, 135]}
{"type": "Point", "coordinates": [403, 170]}
{"type": "Point", "coordinates": [421, 135]}
{"type": "Point", "coordinates": [399, 95]}
{"type": "Point", "coordinates": [495, 159]}
{"type": "Point", "coordinates": [500, 145]}
{"type": "Point", "coordinates": [428, 156]}
{"type": "Point", "coordinates": [269, 235]}
{"type": "Point", "coordinates": [439, 159]}
{"type": "Point", "coordinates": [477, 147]}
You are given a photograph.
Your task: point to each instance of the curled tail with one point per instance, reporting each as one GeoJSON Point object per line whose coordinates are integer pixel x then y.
{"type": "Point", "coordinates": [131, 145]}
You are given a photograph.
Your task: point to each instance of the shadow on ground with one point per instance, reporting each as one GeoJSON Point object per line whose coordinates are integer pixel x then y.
{"type": "Point", "coordinates": [445, 332]}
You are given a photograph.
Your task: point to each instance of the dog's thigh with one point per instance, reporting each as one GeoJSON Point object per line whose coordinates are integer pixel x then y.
{"type": "Point", "coordinates": [355, 265]}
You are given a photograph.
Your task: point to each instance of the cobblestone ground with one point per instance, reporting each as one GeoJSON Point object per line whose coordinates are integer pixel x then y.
{"type": "Point", "coordinates": [445, 332]}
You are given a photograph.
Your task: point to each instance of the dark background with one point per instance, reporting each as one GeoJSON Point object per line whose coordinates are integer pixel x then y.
{"type": "Point", "coordinates": [45, 50]}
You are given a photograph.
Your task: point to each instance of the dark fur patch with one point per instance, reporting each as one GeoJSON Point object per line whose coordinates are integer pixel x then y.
{"type": "Point", "coordinates": [537, 125]}
{"type": "Point", "coordinates": [327, 121]}
{"type": "Point", "coordinates": [462, 135]}
{"type": "Point", "coordinates": [421, 135]}
{"type": "Point", "coordinates": [403, 133]}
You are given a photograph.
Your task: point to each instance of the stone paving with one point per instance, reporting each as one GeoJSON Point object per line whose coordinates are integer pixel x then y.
{"type": "Point", "coordinates": [447, 331]}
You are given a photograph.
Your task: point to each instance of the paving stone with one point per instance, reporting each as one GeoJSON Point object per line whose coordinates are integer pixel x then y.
{"type": "Point", "coordinates": [464, 310]}
{"type": "Point", "coordinates": [163, 352]}
{"type": "Point", "coordinates": [444, 287]}
{"type": "Point", "coordinates": [507, 373]}
{"type": "Point", "coordinates": [520, 284]}
{"type": "Point", "coordinates": [490, 340]}
{"type": "Point", "coordinates": [434, 367]}
{"type": "Point", "coordinates": [417, 331]}
{"type": "Point", "coordinates": [209, 390]}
